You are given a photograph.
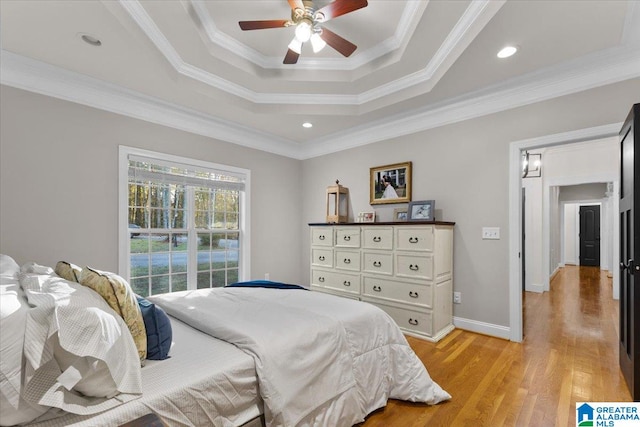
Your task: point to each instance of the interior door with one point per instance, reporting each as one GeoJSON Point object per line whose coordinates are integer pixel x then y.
{"type": "Point", "coordinates": [629, 265]}
{"type": "Point", "coordinates": [590, 236]}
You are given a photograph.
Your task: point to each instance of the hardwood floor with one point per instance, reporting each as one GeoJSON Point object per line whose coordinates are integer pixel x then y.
{"type": "Point", "coordinates": [569, 355]}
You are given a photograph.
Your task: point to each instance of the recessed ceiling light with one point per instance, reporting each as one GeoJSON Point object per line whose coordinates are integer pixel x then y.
{"type": "Point", "coordinates": [89, 39]}
{"type": "Point", "coordinates": [507, 51]}
{"type": "Point", "coordinates": [307, 125]}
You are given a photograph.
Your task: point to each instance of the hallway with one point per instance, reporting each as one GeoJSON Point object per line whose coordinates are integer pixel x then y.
{"type": "Point", "coordinates": [569, 355]}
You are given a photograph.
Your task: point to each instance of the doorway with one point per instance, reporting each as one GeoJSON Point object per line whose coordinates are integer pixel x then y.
{"type": "Point", "coordinates": [592, 135]}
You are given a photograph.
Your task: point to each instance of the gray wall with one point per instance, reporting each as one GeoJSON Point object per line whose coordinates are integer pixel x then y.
{"type": "Point", "coordinates": [59, 184]}
{"type": "Point", "coordinates": [464, 167]}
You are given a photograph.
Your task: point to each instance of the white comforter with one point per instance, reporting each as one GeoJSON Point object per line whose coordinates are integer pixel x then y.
{"type": "Point", "coordinates": [321, 360]}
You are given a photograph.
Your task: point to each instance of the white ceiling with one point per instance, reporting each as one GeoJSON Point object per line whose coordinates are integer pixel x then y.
{"type": "Point", "coordinates": [419, 64]}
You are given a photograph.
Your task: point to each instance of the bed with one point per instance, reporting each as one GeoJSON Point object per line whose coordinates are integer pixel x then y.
{"type": "Point", "coordinates": [247, 355]}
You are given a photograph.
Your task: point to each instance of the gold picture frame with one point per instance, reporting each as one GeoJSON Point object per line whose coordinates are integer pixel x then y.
{"type": "Point", "coordinates": [390, 184]}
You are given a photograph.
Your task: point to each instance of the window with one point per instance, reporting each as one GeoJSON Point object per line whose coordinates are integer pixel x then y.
{"type": "Point", "coordinates": [183, 221]}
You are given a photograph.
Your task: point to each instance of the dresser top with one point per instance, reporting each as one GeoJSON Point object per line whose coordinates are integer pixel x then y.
{"type": "Point", "coordinates": [315, 224]}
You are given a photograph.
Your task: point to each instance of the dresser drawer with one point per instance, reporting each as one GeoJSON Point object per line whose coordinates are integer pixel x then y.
{"type": "Point", "coordinates": [322, 257]}
{"type": "Point", "coordinates": [322, 236]}
{"type": "Point", "coordinates": [414, 238]}
{"type": "Point", "coordinates": [347, 237]}
{"type": "Point", "coordinates": [409, 320]}
{"type": "Point", "coordinates": [394, 290]}
{"type": "Point", "coordinates": [414, 266]}
{"type": "Point", "coordinates": [348, 260]}
{"type": "Point", "coordinates": [377, 238]}
{"type": "Point", "coordinates": [345, 282]}
{"type": "Point", "coordinates": [377, 262]}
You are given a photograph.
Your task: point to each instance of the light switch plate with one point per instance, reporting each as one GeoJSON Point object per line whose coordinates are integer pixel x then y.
{"type": "Point", "coordinates": [490, 233]}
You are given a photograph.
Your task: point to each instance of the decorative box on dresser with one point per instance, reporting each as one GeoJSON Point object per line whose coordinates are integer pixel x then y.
{"type": "Point", "coordinates": [405, 268]}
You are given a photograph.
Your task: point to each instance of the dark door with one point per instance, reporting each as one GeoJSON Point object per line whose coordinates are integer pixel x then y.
{"type": "Point", "coordinates": [590, 236]}
{"type": "Point", "coordinates": [629, 265]}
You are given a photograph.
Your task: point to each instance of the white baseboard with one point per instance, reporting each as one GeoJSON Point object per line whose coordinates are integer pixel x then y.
{"type": "Point", "coordinates": [498, 331]}
{"type": "Point", "coordinates": [534, 287]}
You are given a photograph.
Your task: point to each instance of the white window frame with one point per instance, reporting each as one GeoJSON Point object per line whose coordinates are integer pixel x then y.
{"type": "Point", "coordinates": [124, 258]}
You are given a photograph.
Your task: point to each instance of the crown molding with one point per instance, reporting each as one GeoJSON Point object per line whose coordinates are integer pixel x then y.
{"type": "Point", "coordinates": [475, 17]}
{"type": "Point", "coordinates": [599, 69]}
{"type": "Point", "coordinates": [36, 76]}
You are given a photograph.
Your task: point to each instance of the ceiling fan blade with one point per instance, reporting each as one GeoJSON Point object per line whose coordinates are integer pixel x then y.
{"type": "Point", "coordinates": [341, 7]}
{"type": "Point", "coordinates": [291, 57]}
{"type": "Point", "coordinates": [296, 4]}
{"type": "Point", "coordinates": [340, 44]}
{"type": "Point", "coordinates": [261, 25]}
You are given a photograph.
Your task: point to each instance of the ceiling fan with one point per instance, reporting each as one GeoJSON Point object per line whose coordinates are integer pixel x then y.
{"type": "Point", "coordinates": [307, 20]}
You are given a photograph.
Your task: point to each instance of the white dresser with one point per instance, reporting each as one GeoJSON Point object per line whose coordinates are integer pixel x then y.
{"type": "Point", "coordinates": [406, 269]}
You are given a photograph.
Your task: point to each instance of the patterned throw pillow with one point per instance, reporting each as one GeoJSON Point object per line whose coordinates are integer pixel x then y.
{"type": "Point", "coordinates": [121, 298]}
{"type": "Point", "coordinates": [68, 271]}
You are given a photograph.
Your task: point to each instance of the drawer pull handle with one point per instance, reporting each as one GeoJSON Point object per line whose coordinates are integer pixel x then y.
{"type": "Point", "coordinates": [346, 283]}
{"type": "Point", "coordinates": [321, 237]}
{"type": "Point", "coordinates": [413, 267]}
{"type": "Point", "coordinates": [347, 238]}
{"type": "Point", "coordinates": [377, 239]}
{"type": "Point", "coordinates": [413, 294]}
{"type": "Point", "coordinates": [320, 279]}
{"type": "Point", "coordinates": [413, 322]}
{"type": "Point", "coordinates": [377, 264]}
{"type": "Point", "coordinates": [321, 258]}
{"type": "Point", "coordinates": [377, 288]}
{"type": "Point", "coordinates": [413, 240]}
{"type": "Point", "coordinates": [347, 261]}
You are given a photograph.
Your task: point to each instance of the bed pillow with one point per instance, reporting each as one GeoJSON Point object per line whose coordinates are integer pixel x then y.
{"type": "Point", "coordinates": [14, 309]}
{"type": "Point", "coordinates": [121, 298]}
{"type": "Point", "coordinates": [8, 267]}
{"type": "Point", "coordinates": [158, 327]}
{"type": "Point", "coordinates": [79, 353]}
{"type": "Point", "coordinates": [68, 271]}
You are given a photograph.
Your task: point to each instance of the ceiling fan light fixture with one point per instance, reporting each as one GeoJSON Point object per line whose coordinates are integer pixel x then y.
{"type": "Point", "coordinates": [296, 45]}
{"type": "Point", "coordinates": [317, 43]}
{"type": "Point", "coordinates": [303, 31]}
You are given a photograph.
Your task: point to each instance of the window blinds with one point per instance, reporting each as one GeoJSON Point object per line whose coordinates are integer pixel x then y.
{"type": "Point", "coordinates": [144, 169]}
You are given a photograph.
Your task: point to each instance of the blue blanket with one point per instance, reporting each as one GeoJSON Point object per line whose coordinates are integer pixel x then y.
{"type": "Point", "coordinates": [264, 284]}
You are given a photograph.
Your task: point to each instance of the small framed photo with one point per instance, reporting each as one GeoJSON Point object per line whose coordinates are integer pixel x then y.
{"type": "Point", "coordinates": [400, 214]}
{"type": "Point", "coordinates": [423, 210]}
{"type": "Point", "coordinates": [367, 217]}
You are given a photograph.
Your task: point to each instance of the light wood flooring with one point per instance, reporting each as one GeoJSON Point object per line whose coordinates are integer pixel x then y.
{"type": "Point", "coordinates": [569, 355]}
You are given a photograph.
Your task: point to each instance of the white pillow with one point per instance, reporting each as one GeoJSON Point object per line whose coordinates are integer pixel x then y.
{"type": "Point", "coordinates": [95, 356]}
{"type": "Point", "coordinates": [13, 319]}
{"type": "Point", "coordinates": [8, 267]}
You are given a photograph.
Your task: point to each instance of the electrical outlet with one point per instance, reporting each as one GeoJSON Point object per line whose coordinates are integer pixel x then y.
{"type": "Point", "coordinates": [266, 276]}
{"type": "Point", "coordinates": [491, 233]}
{"type": "Point", "coordinates": [457, 297]}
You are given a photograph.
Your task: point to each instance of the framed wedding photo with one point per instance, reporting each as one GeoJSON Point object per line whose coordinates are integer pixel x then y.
{"type": "Point", "coordinates": [390, 184]}
{"type": "Point", "coordinates": [422, 211]}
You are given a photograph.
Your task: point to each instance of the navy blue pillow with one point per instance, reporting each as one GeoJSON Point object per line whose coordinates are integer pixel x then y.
{"type": "Point", "coordinates": [158, 327]}
{"type": "Point", "coordinates": [264, 284]}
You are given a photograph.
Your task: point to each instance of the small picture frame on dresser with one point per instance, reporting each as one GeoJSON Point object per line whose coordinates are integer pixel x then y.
{"type": "Point", "coordinates": [423, 210]}
{"type": "Point", "coordinates": [400, 214]}
{"type": "Point", "coordinates": [367, 217]}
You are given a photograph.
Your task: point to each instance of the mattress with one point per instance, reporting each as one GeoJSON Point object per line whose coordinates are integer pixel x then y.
{"type": "Point", "coordinates": [206, 381]}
